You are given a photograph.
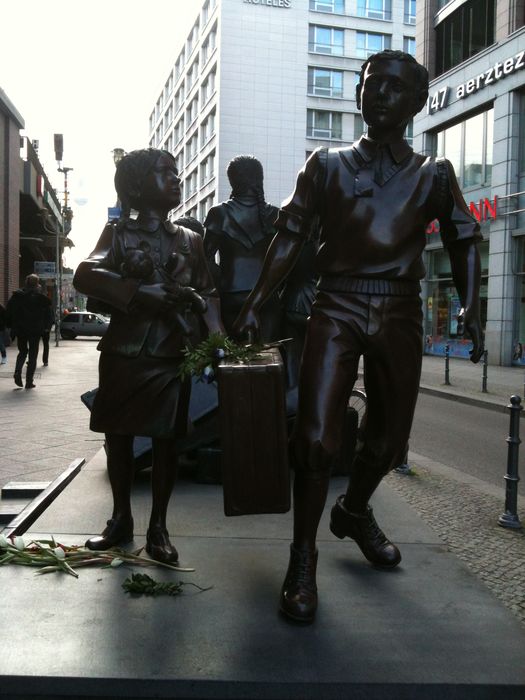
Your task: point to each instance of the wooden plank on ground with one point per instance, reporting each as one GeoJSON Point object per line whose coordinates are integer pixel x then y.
{"type": "Point", "coordinates": [24, 489]}
{"type": "Point", "coordinates": [23, 521]}
{"type": "Point", "coordinates": [9, 511]}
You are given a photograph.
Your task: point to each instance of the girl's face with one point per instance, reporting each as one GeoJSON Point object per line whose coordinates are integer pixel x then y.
{"type": "Point", "coordinates": [161, 186]}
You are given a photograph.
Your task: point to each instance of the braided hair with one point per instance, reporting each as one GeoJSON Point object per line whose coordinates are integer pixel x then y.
{"type": "Point", "coordinates": [246, 176]}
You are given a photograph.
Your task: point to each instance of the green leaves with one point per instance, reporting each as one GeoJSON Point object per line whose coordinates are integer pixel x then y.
{"type": "Point", "coordinates": [142, 584]}
{"type": "Point", "coordinates": [203, 360]}
{"type": "Point", "coordinates": [50, 556]}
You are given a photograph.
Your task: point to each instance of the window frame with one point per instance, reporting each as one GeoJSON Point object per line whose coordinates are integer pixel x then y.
{"type": "Point", "coordinates": [313, 131]}
{"type": "Point", "coordinates": [319, 91]}
{"type": "Point", "coordinates": [364, 10]}
{"type": "Point", "coordinates": [486, 164]}
{"type": "Point", "coordinates": [367, 52]}
{"type": "Point", "coordinates": [314, 43]}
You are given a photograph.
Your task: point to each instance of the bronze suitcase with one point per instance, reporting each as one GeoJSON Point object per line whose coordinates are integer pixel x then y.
{"type": "Point", "coordinates": [253, 432]}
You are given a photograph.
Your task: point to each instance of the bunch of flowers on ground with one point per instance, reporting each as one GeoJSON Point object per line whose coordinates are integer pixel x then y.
{"type": "Point", "coordinates": [49, 555]}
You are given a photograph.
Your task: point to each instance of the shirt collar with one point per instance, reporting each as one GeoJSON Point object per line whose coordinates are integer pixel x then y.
{"type": "Point", "coordinates": [367, 149]}
{"type": "Point", "coordinates": [152, 225]}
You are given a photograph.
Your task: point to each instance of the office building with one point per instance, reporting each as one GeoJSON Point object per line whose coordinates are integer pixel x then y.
{"type": "Point", "coordinates": [271, 78]}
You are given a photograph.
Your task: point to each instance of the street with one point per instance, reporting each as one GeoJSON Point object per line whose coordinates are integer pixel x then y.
{"type": "Point", "coordinates": [465, 437]}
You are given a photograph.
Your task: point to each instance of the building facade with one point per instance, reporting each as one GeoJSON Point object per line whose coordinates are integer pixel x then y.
{"type": "Point", "coordinates": [270, 78]}
{"type": "Point", "coordinates": [10, 176]}
{"type": "Point", "coordinates": [34, 226]}
{"type": "Point", "coordinates": [475, 116]}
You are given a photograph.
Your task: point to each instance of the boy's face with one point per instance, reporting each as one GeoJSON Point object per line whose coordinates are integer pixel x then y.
{"type": "Point", "coordinates": [161, 186]}
{"type": "Point", "coordinates": [388, 97]}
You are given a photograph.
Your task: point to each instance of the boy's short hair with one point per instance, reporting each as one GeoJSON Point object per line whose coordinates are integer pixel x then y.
{"type": "Point", "coordinates": [420, 72]}
{"type": "Point", "coordinates": [130, 173]}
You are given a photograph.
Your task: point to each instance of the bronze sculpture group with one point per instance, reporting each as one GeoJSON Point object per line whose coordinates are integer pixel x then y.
{"type": "Point", "coordinates": [370, 204]}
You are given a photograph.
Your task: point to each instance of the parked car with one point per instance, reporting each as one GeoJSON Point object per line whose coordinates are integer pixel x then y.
{"type": "Point", "coordinates": [83, 323]}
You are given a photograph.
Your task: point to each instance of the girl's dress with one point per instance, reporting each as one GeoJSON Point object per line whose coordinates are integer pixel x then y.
{"type": "Point", "coordinates": [139, 391]}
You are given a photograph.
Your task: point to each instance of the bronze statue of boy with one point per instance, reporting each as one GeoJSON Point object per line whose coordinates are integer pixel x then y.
{"type": "Point", "coordinates": [374, 201]}
{"type": "Point", "coordinates": [154, 277]}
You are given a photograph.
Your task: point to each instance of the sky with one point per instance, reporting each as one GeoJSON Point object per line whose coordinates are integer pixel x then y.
{"type": "Point", "coordinates": [91, 71]}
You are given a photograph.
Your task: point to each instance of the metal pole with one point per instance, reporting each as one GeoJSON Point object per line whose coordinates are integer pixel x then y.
{"type": "Point", "coordinates": [485, 366]}
{"type": "Point", "coordinates": [510, 517]}
{"type": "Point", "coordinates": [57, 287]}
{"type": "Point", "coordinates": [447, 362]}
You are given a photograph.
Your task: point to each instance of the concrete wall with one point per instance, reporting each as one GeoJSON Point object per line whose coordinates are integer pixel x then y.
{"type": "Point", "coordinates": [263, 80]}
{"type": "Point", "coordinates": [10, 180]}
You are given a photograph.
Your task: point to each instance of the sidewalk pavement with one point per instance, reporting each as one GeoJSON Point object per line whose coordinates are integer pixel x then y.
{"type": "Point", "coordinates": [43, 430]}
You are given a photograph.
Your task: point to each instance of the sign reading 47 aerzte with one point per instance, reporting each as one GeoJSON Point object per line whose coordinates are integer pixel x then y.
{"type": "Point", "coordinates": [499, 70]}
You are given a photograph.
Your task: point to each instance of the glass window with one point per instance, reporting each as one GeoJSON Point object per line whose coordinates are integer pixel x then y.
{"type": "Point", "coordinates": [335, 6]}
{"type": "Point", "coordinates": [375, 9]}
{"type": "Point", "coordinates": [409, 16]}
{"type": "Point", "coordinates": [464, 33]}
{"type": "Point", "coordinates": [451, 146]}
{"type": "Point", "coordinates": [324, 125]}
{"type": "Point", "coordinates": [326, 40]}
{"type": "Point", "coordinates": [409, 45]}
{"type": "Point", "coordinates": [468, 146]}
{"type": "Point", "coordinates": [369, 42]}
{"type": "Point", "coordinates": [324, 82]}
{"type": "Point", "coordinates": [473, 165]}
{"type": "Point", "coordinates": [443, 305]}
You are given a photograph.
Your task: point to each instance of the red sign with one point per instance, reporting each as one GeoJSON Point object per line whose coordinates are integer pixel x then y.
{"type": "Point", "coordinates": [481, 211]}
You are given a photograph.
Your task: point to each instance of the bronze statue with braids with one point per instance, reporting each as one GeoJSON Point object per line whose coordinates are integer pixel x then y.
{"type": "Point", "coordinates": [240, 230]}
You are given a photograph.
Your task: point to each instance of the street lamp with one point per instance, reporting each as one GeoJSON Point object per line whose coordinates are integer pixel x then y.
{"type": "Point", "coordinates": [67, 215]}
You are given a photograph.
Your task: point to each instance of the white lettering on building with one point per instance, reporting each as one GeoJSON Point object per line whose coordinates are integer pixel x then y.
{"type": "Point", "coordinates": [271, 3]}
{"type": "Point", "coordinates": [499, 70]}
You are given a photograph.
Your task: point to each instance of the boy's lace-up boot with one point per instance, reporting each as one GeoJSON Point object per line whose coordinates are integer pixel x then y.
{"type": "Point", "coordinates": [371, 540]}
{"type": "Point", "coordinates": [299, 590]}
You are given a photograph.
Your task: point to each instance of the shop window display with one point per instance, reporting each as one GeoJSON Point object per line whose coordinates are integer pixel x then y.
{"type": "Point", "coordinates": [442, 305]}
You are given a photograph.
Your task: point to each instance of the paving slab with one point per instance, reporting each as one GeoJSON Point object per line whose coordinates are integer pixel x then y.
{"type": "Point", "coordinates": [429, 629]}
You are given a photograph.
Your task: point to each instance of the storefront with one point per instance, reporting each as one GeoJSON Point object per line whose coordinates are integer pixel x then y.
{"type": "Point", "coordinates": [476, 119]}
{"type": "Point", "coordinates": [442, 304]}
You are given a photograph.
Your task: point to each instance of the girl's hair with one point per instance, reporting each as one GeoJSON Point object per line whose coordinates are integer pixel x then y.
{"type": "Point", "coordinates": [246, 176]}
{"type": "Point", "coordinates": [130, 174]}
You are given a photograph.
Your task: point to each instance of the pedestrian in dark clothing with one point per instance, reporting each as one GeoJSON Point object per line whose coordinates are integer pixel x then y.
{"type": "Point", "coordinates": [45, 337]}
{"type": "Point", "coordinates": [27, 314]}
{"type": "Point", "coordinates": [3, 352]}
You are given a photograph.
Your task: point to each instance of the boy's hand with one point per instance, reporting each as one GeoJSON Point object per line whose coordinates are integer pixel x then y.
{"type": "Point", "coordinates": [247, 325]}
